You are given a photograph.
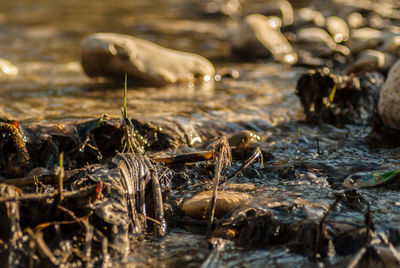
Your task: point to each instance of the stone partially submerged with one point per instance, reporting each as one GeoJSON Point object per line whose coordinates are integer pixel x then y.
{"type": "Point", "coordinates": [113, 55]}
{"type": "Point", "coordinates": [260, 36]}
{"type": "Point", "coordinates": [389, 101]}
{"type": "Point", "coordinates": [197, 206]}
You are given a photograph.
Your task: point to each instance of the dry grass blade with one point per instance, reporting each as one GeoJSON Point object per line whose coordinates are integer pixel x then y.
{"type": "Point", "coordinates": [125, 111]}
{"type": "Point", "coordinates": [222, 154]}
{"type": "Point", "coordinates": [129, 139]}
{"type": "Point", "coordinates": [222, 159]}
{"type": "Point", "coordinates": [185, 158]}
{"type": "Point", "coordinates": [61, 178]}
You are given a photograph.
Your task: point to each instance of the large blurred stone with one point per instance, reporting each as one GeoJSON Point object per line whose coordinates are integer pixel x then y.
{"type": "Point", "coordinates": [372, 60]}
{"type": "Point", "coordinates": [389, 102]}
{"type": "Point", "coordinates": [113, 55]}
{"type": "Point", "coordinates": [260, 36]}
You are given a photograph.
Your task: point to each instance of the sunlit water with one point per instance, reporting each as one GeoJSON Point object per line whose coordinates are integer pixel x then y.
{"type": "Point", "coordinates": [43, 40]}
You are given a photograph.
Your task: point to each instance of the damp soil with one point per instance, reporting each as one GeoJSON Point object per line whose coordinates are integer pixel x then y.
{"type": "Point", "coordinates": [295, 187]}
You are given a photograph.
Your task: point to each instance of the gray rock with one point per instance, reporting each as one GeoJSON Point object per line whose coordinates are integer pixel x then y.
{"type": "Point", "coordinates": [389, 101]}
{"type": "Point", "coordinates": [372, 60]}
{"type": "Point", "coordinates": [360, 46]}
{"type": "Point", "coordinates": [260, 36]}
{"type": "Point", "coordinates": [113, 55]}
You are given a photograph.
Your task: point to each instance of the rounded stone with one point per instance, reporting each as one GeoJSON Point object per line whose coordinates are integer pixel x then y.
{"type": "Point", "coordinates": [197, 206]}
{"type": "Point", "coordinates": [389, 101]}
{"type": "Point", "coordinates": [114, 55]}
{"type": "Point", "coordinates": [260, 36]}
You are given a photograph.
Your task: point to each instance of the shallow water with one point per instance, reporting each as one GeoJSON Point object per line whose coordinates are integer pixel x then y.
{"type": "Point", "coordinates": [42, 38]}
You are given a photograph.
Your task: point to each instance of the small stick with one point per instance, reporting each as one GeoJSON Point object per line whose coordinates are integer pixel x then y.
{"type": "Point", "coordinates": [88, 228]}
{"type": "Point", "coordinates": [321, 230]}
{"type": "Point", "coordinates": [318, 151]}
{"type": "Point", "coordinates": [257, 153]}
{"type": "Point", "coordinates": [185, 158]}
{"type": "Point", "coordinates": [45, 178]}
{"type": "Point", "coordinates": [38, 197]}
{"type": "Point", "coordinates": [369, 224]}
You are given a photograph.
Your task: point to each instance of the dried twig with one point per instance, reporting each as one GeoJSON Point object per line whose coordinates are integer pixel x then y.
{"type": "Point", "coordinates": [369, 224]}
{"type": "Point", "coordinates": [158, 207]}
{"type": "Point", "coordinates": [37, 197]}
{"type": "Point", "coordinates": [88, 228]}
{"type": "Point", "coordinates": [257, 153]}
{"type": "Point", "coordinates": [222, 159]}
{"type": "Point", "coordinates": [321, 232]}
{"type": "Point", "coordinates": [38, 244]}
{"type": "Point", "coordinates": [186, 158]}
{"type": "Point", "coordinates": [45, 178]}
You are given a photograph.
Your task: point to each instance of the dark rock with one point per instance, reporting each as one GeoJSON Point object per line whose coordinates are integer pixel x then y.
{"type": "Point", "coordinates": [338, 100]}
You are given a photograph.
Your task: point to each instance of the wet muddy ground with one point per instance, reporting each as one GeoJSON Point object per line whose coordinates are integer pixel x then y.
{"type": "Point", "coordinates": [298, 214]}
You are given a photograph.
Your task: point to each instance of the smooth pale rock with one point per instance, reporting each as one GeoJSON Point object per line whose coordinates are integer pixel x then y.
{"type": "Point", "coordinates": [310, 15]}
{"type": "Point", "coordinates": [389, 101]}
{"type": "Point", "coordinates": [355, 20]}
{"type": "Point", "coordinates": [7, 69]}
{"type": "Point", "coordinates": [217, 7]}
{"type": "Point", "coordinates": [280, 8]}
{"type": "Point", "coordinates": [260, 36]}
{"type": "Point", "coordinates": [338, 28]}
{"type": "Point", "coordinates": [392, 45]}
{"type": "Point", "coordinates": [113, 55]}
{"type": "Point", "coordinates": [318, 35]}
{"type": "Point", "coordinates": [365, 34]}
{"type": "Point", "coordinates": [197, 206]}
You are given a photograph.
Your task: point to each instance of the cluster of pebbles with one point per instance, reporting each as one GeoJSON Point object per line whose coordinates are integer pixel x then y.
{"type": "Point", "coordinates": [350, 39]}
